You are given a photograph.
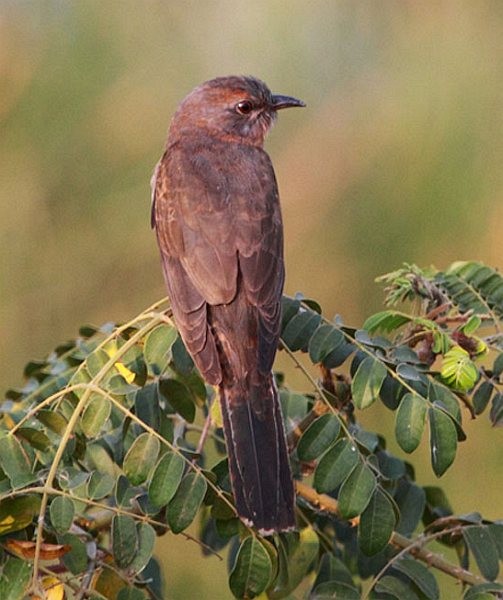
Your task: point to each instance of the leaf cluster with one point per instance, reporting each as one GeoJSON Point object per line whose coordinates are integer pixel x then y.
{"type": "Point", "coordinates": [103, 450]}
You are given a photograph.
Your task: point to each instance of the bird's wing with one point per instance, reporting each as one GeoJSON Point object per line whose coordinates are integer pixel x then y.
{"type": "Point", "coordinates": [195, 226]}
{"type": "Point", "coordinates": [211, 226]}
{"type": "Point", "coordinates": [260, 251]}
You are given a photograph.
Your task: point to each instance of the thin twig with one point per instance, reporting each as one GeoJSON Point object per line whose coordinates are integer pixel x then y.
{"type": "Point", "coordinates": [204, 434]}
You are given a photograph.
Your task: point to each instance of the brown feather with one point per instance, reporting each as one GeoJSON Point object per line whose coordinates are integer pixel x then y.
{"type": "Point", "coordinates": [218, 223]}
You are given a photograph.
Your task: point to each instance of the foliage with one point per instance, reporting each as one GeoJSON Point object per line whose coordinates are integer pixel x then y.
{"type": "Point", "coordinates": [102, 451]}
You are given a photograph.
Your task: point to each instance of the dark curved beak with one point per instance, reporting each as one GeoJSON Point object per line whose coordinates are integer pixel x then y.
{"type": "Point", "coordinates": [279, 101]}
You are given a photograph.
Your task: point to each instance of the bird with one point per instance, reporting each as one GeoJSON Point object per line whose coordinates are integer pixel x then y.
{"type": "Point", "coordinates": [217, 219]}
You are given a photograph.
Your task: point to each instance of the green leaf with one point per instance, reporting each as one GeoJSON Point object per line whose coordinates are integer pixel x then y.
{"type": "Point", "coordinates": [99, 485]}
{"type": "Point", "coordinates": [35, 437]}
{"type": "Point", "coordinates": [458, 370]}
{"type": "Point", "coordinates": [411, 500]}
{"type": "Point", "coordinates": [76, 559]}
{"type": "Point", "coordinates": [319, 436]}
{"type": "Point", "coordinates": [367, 382]}
{"type": "Point", "coordinates": [391, 392]}
{"type": "Point", "coordinates": [441, 395]}
{"type": "Point", "coordinates": [82, 376]}
{"type": "Point", "coordinates": [166, 428]}
{"type": "Point", "coordinates": [474, 286]}
{"type": "Point", "coordinates": [356, 491]}
{"type": "Point", "coordinates": [15, 462]}
{"type": "Point", "coordinates": [146, 404]}
{"type": "Point", "coordinates": [376, 525]}
{"type": "Point", "coordinates": [293, 406]}
{"type": "Point", "coordinates": [145, 534]}
{"type": "Point", "coordinates": [311, 304]}
{"type": "Point", "coordinates": [53, 420]}
{"type": "Point", "coordinates": [95, 415]}
{"type": "Point", "coordinates": [130, 593]}
{"type": "Point", "coordinates": [146, 507]}
{"type": "Point", "coordinates": [302, 557]}
{"type": "Point", "coordinates": [124, 540]}
{"type": "Point", "coordinates": [496, 531]}
{"type": "Point", "coordinates": [323, 342]}
{"type": "Point", "coordinates": [180, 398]}
{"type": "Point", "coordinates": [387, 320]}
{"type": "Point", "coordinates": [406, 355]}
{"type": "Point", "coordinates": [133, 366]}
{"type": "Point", "coordinates": [367, 439]}
{"type": "Point", "coordinates": [441, 342]}
{"type": "Point", "coordinates": [186, 502]}
{"type": "Point", "coordinates": [140, 458]}
{"type": "Point", "coordinates": [166, 478]}
{"type": "Point", "coordinates": [15, 576]}
{"type": "Point", "coordinates": [98, 458]}
{"type": "Point", "coordinates": [410, 419]}
{"type": "Point", "coordinates": [496, 412]}
{"type": "Point", "coordinates": [107, 582]}
{"type": "Point", "coordinates": [390, 466]}
{"type": "Point", "coordinates": [124, 492]}
{"type": "Point", "coordinates": [70, 478]}
{"type": "Point", "coordinates": [332, 569]}
{"type": "Point", "coordinates": [289, 308]}
{"type": "Point", "coordinates": [420, 575]}
{"type": "Point", "coordinates": [482, 396]}
{"type": "Point", "coordinates": [62, 511]}
{"type": "Point", "coordinates": [299, 552]}
{"type": "Point", "coordinates": [484, 549]}
{"type": "Point", "coordinates": [182, 360]}
{"type": "Point", "coordinates": [335, 589]}
{"type": "Point", "coordinates": [252, 569]}
{"type": "Point", "coordinates": [157, 348]}
{"type": "Point", "coordinates": [96, 361]}
{"type": "Point", "coordinates": [118, 386]}
{"type": "Point", "coordinates": [337, 357]}
{"type": "Point", "coordinates": [443, 441]}
{"type": "Point", "coordinates": [335, 465]}
{"type": "Point", "coordinates": [299, 329]}
{"type": "Point", "coordinates": [471, 325]}
{"type": "Point", "coordinates": [482, 591]}
{"type": "Point", "coordinates": [437, 505]}
{"type": "Point", "coordinates": [444, 399]}
{"type": "Point", "coordinates": [409, 372]}
{"type": "Point", "coordinates": [220, 509]}
{"type": "Point", "coordinates": [498, 365]}
{"type": "Point", "coordinates": [396, 588]}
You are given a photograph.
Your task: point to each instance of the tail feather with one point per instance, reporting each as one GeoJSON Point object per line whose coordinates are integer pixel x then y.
{"type": "Point", "coordinates": [258, 457]}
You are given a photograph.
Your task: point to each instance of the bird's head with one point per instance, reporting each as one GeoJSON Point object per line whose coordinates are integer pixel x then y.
{"type": "Point", "coordinates": [237, 108]}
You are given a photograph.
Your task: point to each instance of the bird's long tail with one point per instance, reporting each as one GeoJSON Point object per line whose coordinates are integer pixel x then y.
{"type": "Point", "coordinates": [258, 458]}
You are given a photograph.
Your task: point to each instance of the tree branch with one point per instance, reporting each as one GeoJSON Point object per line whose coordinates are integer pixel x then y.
{"type": "Point", "coordinates": [414, 547]}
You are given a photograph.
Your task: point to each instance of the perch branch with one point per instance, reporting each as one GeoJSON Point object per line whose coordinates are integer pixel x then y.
{"type": "Point", "coordinates": [407, 546]}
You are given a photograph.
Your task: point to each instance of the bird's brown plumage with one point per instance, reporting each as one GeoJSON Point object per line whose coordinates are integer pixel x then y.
{"type": "Point", "coordinates": [218, 223]}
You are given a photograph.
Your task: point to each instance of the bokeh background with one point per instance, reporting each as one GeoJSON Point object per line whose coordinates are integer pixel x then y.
{"type": "Point", "coordinates": [398, 157]}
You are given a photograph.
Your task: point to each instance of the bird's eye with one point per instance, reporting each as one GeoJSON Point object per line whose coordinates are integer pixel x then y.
{"type": "Point", "coordinates": [244, 107]}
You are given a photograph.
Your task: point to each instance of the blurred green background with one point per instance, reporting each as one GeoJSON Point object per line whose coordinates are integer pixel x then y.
{"type": "Point", "coordinates": [398, 157]}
